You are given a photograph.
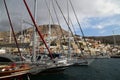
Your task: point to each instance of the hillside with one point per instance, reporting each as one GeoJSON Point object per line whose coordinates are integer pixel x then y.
{"type": "Point", "coordinates": [44, 29]}
{"type": "Point", "coordinates": [107, 39]}
{"type": "Point", "coordinates": [56, 31]}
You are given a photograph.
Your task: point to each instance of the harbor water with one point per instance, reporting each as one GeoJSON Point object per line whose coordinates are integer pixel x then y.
{"type": "Point", "coordinates": [100, 69]}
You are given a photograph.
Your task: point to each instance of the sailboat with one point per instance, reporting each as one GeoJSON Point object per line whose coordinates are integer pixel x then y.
{"type": "Point", "coordinates": [87, 59]}
{"type": "Point", "coordinates": [75, 60]}
{"type": "Point", "coordinates": [12, 70]}
{"type": "Point", "coordinates": [46, 63]}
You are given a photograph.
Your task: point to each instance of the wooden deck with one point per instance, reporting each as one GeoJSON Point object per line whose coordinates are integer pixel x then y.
{"type": "Point", "coordinates": [16, 74]}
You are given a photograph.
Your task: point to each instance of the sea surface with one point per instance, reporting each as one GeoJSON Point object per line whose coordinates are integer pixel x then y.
{"type": "Point", "coordinates": [100, 69]}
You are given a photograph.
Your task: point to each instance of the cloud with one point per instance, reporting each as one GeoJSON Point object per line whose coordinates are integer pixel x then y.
{"type": "Point", "coordinates": [102, 11]}
{"type": "Point", "coordinates": [99, 27]}
{"type": "Point", "coordinates": [107, 7]}
{"type": "Point", "coordinates": [103, 22]}
{"type": "Point", "coordinates": [5, 25]}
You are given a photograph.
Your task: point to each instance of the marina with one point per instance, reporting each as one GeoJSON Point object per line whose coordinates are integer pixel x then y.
{"type": "Point", "coordinates": [58, 47]}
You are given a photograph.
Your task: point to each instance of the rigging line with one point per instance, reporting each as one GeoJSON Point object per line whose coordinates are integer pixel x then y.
{"type": "Point", "coordinates": [73, 27]}
{"type": "Point", "coordinates": [58, 24]}
{"type": "Point", "coordinates": [63, 15]}
{"type": "Point", "coordinates": [55, 12]}
{"type": "Point", "coordinates": [35, 25]}
{"type": "Point", "coordinates": [74, 32]}
{"type": "Point", "coordinates": [51, 15]}
{"type": "Point", "coordinates": [57, 16]}
{"type": "Point", "coordinates": [79, 25]}
{"type": "Point", "coordinates": [68, 12]}
{"type": "Point", "coordinates": [49, 11]}
{"type": "Point", "coordinates": [67, 22]}
{"type": "Point", "coordinates": [12, 29]}
{"type": "Point", "coordinates": [79, 46]}
{"type": "Point", "coordinates": [69, 45]}
{"type": "Point", "coordinates": [77, 18]}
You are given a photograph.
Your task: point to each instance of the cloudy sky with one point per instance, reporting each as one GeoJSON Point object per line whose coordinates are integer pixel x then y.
{"type": "Point", "coordinates": [97, 17]}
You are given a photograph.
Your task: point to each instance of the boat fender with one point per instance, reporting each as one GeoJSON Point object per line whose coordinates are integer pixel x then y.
{"type": "Point", "coordinates": [6, 68]}
{"type": "Point", "coordinates": [3, 69]}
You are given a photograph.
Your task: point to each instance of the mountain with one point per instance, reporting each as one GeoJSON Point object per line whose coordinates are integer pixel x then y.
{"type": "Point", "coordinates": [107, 39]}
{"type": "Point", "coordinates": [4, 37]}
{"type": "Point", "coordinates": [44, 29]}
{"type": "Point", "coordinates": [56, 31]}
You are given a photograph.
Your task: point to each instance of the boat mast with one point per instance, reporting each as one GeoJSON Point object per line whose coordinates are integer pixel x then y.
{"type": "Point", "coordinates": [49, 25]}
{"type": "Point", "coordinates": [114, 39]}
{"type": "Point", "coordinates": [69, 27]}
{"type": "Point", "coordinates": [21, 32]}
{"type": "Point", "coordinates": [50, 14]}
{"type": "Point", "coordinates": [34, 31]}
{"type": "Point", "coordinates": [62, 36]}
{"type": "Point", "coordinates": [35, 25]}
{"type": "Point", "coordinates": [79, 26]}
{"type": "Point", "coordinates": [69, 41]}
{"type": "Point", "coordinates": [10, 39]}
{"type": "Point", "coordinates": [12, 29]}
{"type": "Point", "coordinates": [49, 32]}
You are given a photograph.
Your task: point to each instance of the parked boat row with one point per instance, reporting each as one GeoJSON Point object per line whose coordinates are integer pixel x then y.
{"type": "Point", "coordinates": [33, 62]}
{"type": "Point", "coordinates": [44, 64]}
{"type": "Point", "coordinates": [13, 70]}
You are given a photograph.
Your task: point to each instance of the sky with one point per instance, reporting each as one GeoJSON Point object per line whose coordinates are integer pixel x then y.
{"type": "Point", "coordinates": [97, 17]}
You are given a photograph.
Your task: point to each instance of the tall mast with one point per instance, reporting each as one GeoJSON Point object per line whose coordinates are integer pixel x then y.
{"type": "Point", "coordinates": [10, 39]}
{"type": "Point", "coordinates": [37, 27]}
{"type": "Point", "coordinates": [51, 19]}
{"type": "Point", "coordinates": [68, 25]}
{"type": "Point", "coordinates": [114, 39]}
{"type": "Point", "coordinates": [79, 26]}
{"type": "Point", "coordinates": [49, 32]}
{"type": "Point", "coordinates": [21, 40]}
{"type": "Point", "coordinates": [49, 14]}
{"type": "Point", "coordinates": [69, 45]}
{"type": "Point", "coordinates": [49, 25]}
{"type": "Point", "coordinates": [12, 29]}
{"type": "Point", "coordinates": [34, 31]}
{"type": "Point", "coordinates": [62, 36]}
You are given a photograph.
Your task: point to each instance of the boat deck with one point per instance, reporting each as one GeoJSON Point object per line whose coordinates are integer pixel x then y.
{"type": "Point", "coordinates": [16, 74]}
